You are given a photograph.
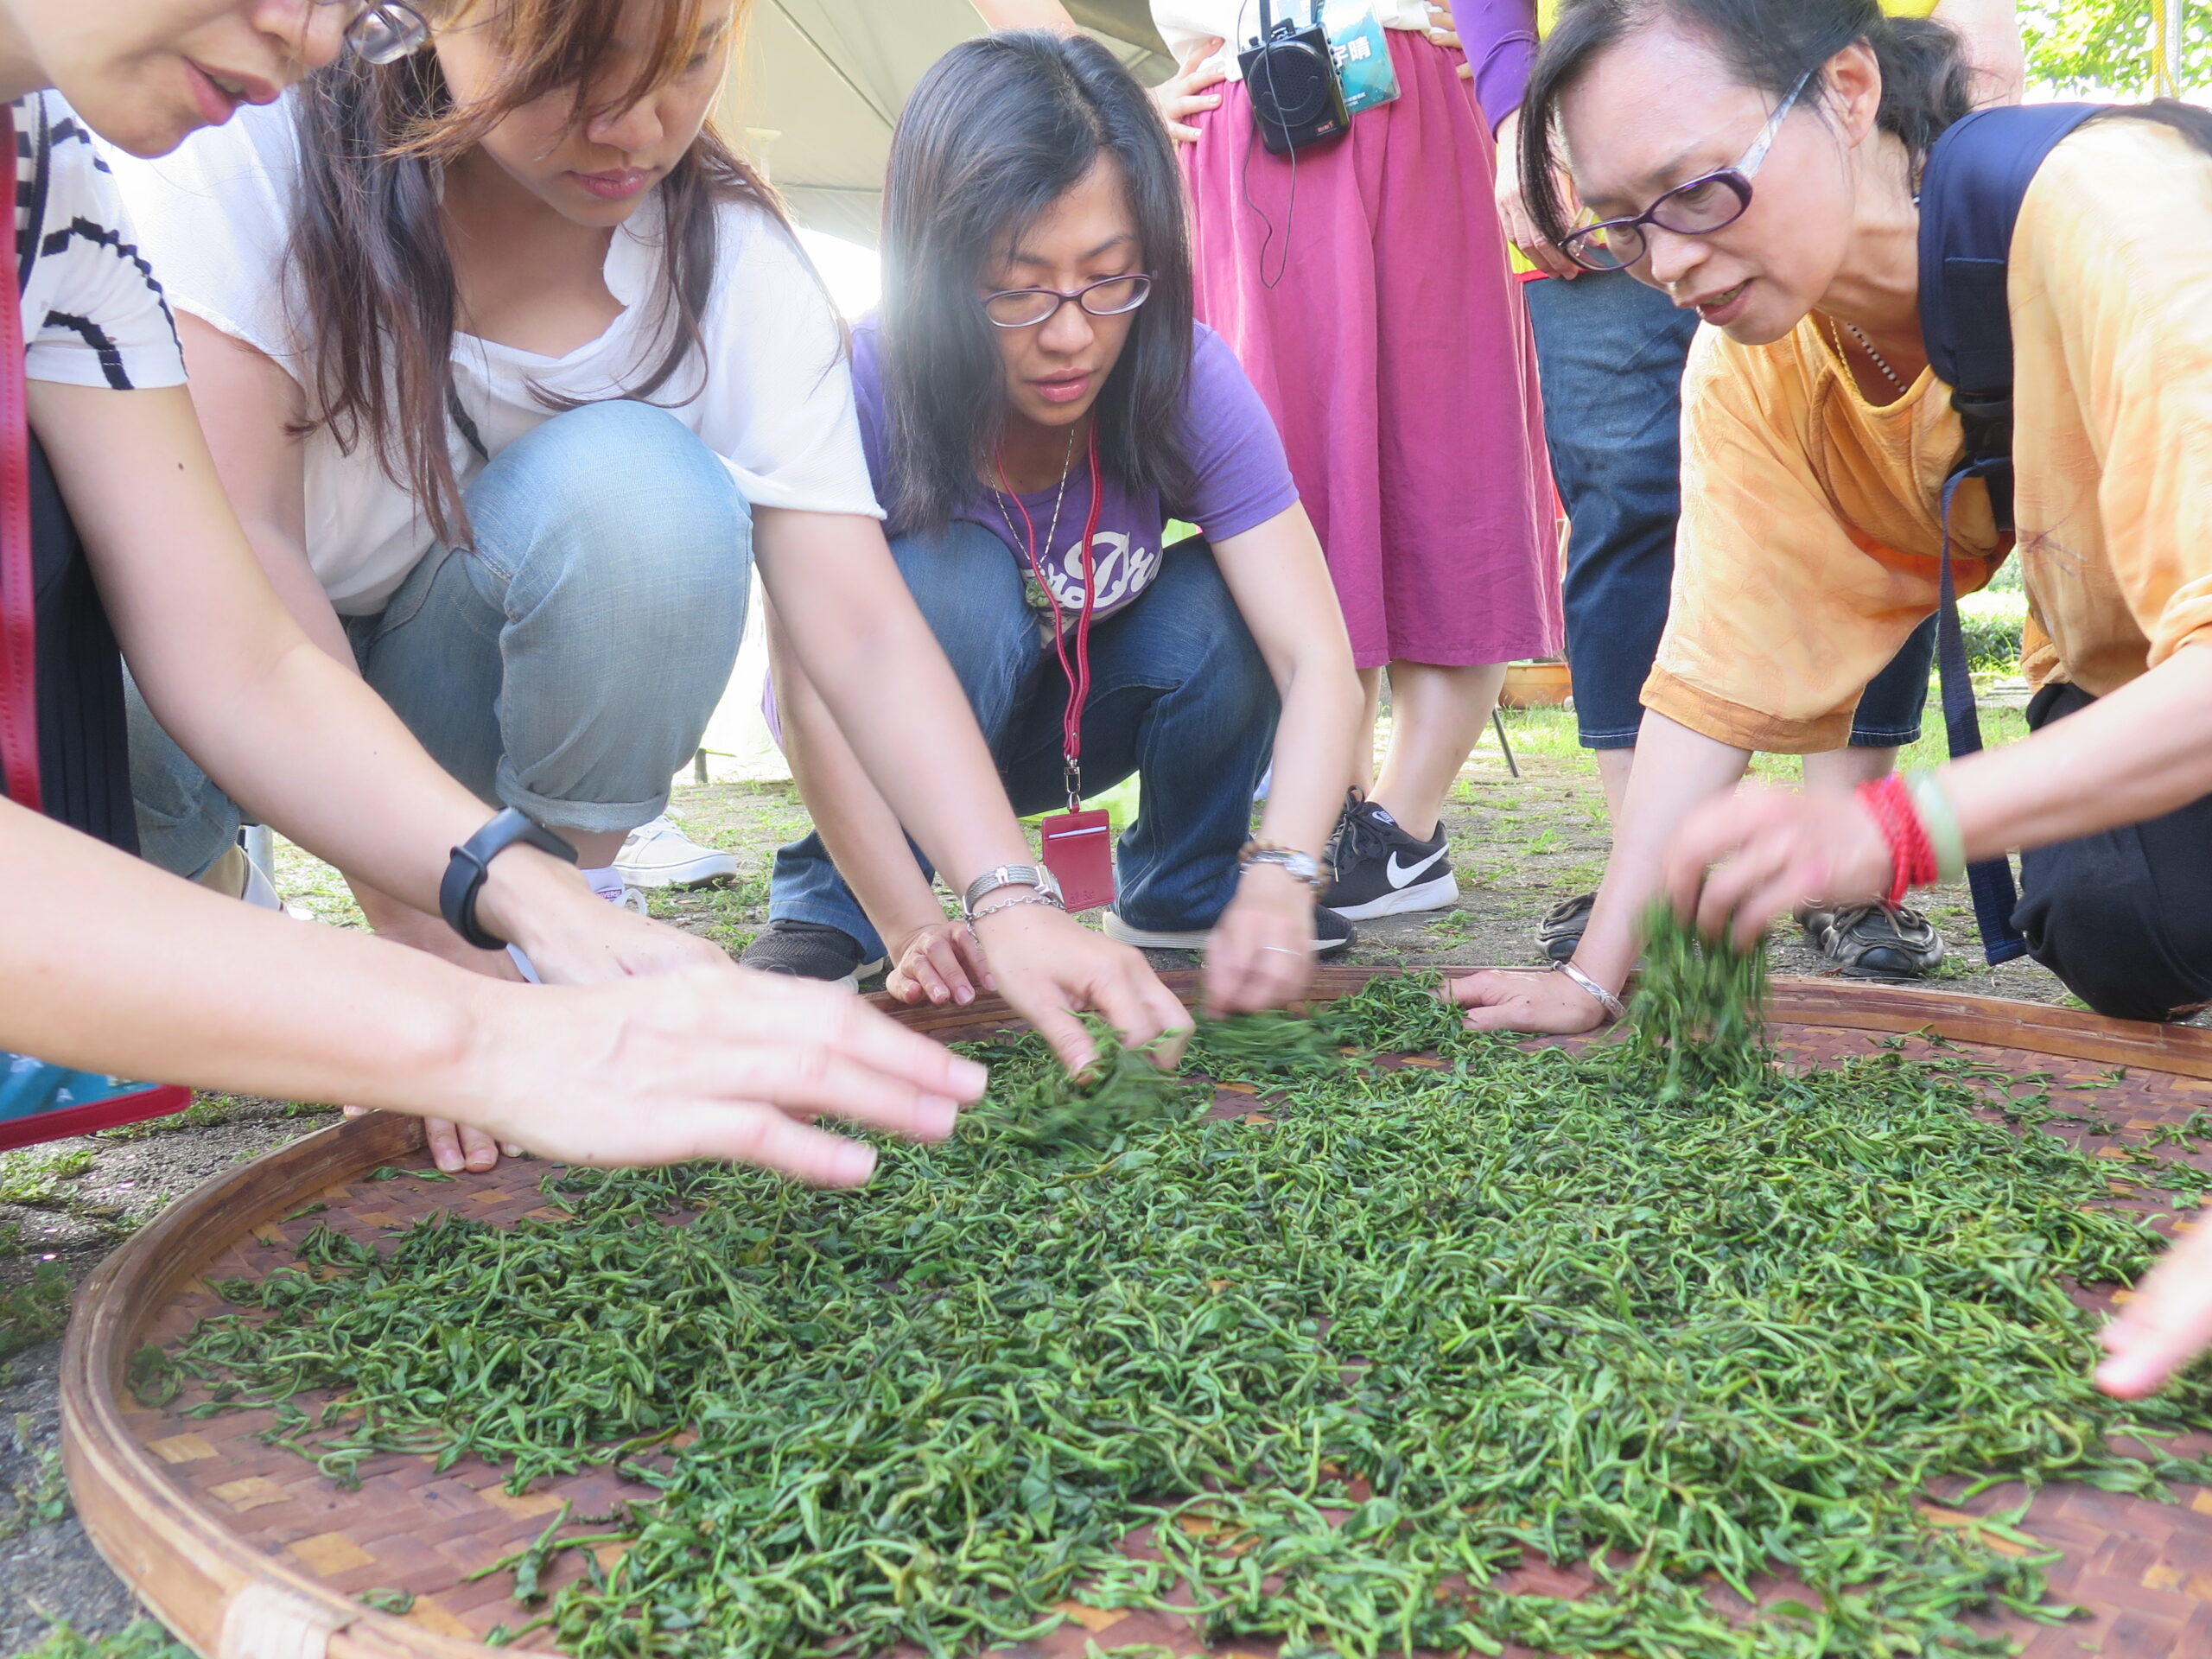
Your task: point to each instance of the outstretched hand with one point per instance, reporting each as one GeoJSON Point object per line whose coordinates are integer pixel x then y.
{"type": "Point", "coordinates": [1051, 970]}
{"type": "Point", "coordinates": [1755, 854]}
{"type": "Point", "coordinates": [939, 963]}
{"type": "Point", "coordinates": [1549, 1005]}
{"type": "Point", "coordinates": [718, 1062]}
{"type": "Point", "coordinates": [2167, 1324]}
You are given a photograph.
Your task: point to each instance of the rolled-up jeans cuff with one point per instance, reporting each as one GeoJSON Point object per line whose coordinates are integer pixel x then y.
{"type": "Point", "coordinates": [1890, 739]}
{"type": "Point", "coordinates": [1610, 739]}
{"type": "Point", "coordinates": [588, 817]}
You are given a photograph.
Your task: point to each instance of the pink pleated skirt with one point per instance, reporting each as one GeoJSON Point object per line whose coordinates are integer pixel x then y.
{"type": "Point", "coordinates": [1378, 317]}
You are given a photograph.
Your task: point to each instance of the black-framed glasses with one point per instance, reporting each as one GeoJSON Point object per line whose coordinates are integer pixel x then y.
{"type": "Point", "coordinates": [384, 31]}
{"type": "Point", "coordinates": [1707, 204]}
{"type": "Point", "coordinates": [1025, 307]}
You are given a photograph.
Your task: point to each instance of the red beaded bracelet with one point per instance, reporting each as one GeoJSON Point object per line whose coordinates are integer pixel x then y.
{"type": "Point", "coordinates": [1912, 853]}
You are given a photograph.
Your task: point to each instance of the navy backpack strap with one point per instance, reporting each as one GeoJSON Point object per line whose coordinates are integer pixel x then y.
{"type": "Point", "coordinates": [1976, 178]}
{"type": "Point", "coordinates": [1970, 194]}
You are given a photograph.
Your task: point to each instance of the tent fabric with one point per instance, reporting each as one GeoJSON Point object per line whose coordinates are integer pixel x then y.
{"type": "Point", "coordinates": [822, 82]}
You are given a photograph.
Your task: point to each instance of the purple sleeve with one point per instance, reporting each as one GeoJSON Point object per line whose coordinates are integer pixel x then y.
{"type": "Point", "coordinates": [1500, 39]}
{"type": "Point", "coordinates": [1244, 477]}
{"type": "Point", "coordinates": [867, 402]}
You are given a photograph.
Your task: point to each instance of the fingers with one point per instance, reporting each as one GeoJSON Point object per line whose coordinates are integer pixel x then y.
{"type": "Point", "coordinates": [814, 1077]}
{"type": "Point", "coordinates": [976, 965]}
{"type": "Point", "coordinates": [2168, 1322]}
{"type": "Point", "coordinates": [478, 1150]}
{"type": "Point", "coordinates": [1466, 70]}
{"type": "Point", "coordinates": [870, 1040]}
{"type": "Point", "coordinates": [443, 1138]}
{"type": "Point", "coordinates": [944, 961]}
{"type": "Point", "coordinates": [1548, 1003]}
{"type": "Point", "coordinates": [1068, 1037]}
{"type": "Point", "coordinates": [922, 974]}
{"type": "Point", "coordinates": [1144, 1011]}
{"type": "Point", "coordinates": [745, 1133]}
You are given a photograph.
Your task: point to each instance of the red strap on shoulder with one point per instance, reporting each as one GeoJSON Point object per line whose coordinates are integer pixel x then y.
{"type": "Point", "coordinates": [18, 598]}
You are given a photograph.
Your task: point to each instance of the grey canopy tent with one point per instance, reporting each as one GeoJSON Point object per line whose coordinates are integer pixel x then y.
{"type": "Point", "coordinates": [822, 81]}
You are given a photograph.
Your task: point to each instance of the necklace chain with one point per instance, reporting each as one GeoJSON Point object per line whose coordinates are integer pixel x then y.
{"type": "Point", "coordinates": [1067, 470]}
{"type": "Point", "coordinates": [1868, 346]}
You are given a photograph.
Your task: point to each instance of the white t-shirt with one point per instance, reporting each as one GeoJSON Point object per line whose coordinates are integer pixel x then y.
{"type": "Point", "coordinates": [93, 313]}
{"type": "Point", "coordinates": [1186, 23]}
{"type": "Point", "coordinates": [775, 396]}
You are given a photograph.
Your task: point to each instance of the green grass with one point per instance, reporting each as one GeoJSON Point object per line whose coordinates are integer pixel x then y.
{"type": "Point", "coordinates": [144, 1640]}
{"type": "Point", "coordinates": [31, 1313]}
{"type": "Point", "coordinates": [33, 1178]}
{"type": "Point", "coordinates": [1551, 734]}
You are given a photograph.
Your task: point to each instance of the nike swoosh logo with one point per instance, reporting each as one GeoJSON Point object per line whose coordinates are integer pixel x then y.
{"type": "Point", "coordinates": [1402, 875]}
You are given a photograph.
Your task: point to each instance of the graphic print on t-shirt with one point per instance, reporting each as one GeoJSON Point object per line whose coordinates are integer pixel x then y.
{"type": "Point", "coordinates": [1119, 573]}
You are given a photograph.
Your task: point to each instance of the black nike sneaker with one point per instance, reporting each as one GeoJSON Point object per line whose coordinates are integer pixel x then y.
{"type": "Point", "coordinates": [1382, 870]}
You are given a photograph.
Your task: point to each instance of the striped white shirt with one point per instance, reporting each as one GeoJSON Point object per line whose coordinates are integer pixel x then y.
{"type": "Point", "coordinates": [94, 313]}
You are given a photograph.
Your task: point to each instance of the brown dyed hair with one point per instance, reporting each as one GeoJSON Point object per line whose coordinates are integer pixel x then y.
{"type": "Point", "coordinates": [373, 277]}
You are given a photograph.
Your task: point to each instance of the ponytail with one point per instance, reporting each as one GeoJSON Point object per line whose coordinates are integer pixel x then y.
{"type": "Point", "coordinates": [1771, 45]}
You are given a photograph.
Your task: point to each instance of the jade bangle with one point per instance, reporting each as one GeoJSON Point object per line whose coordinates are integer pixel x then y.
{"type": "Point", "coordinates": [1941, 823]}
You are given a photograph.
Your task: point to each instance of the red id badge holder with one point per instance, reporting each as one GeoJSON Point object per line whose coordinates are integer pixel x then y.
{"type": "Point", "coordinates": [1080, 852]}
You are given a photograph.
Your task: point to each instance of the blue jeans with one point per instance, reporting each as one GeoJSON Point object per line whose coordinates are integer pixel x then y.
{"type": "Point", "coordinates": [566, 662]}
{"type": "Point", "coordinates": [1611, 352]}
{"type": "Point", "coordinates": [1179, 695]}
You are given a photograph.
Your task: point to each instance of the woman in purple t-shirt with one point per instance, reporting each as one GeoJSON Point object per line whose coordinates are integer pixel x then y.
{"type": "Point", "coordinates": [1037, 384]}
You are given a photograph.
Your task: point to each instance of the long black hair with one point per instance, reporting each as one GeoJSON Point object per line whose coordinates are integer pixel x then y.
{"type": "Point", "coordinates": [375, 279]}
{"type": "Point", "coordinates": [1771, 45]}
{"type": "Point", "coordinates": [999, 130]}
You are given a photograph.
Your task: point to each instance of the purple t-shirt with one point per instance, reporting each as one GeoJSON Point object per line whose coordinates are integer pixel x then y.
{"type": "Point", "coordinates": [1243, 480]}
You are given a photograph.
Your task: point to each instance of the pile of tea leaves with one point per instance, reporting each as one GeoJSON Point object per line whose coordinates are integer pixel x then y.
{"type": "Point", "coordinates": [1661, 1308]}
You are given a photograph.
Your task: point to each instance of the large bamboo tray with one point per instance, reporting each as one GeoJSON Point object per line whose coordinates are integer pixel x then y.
{"type": "Point", "coordinates": [247, 1553]}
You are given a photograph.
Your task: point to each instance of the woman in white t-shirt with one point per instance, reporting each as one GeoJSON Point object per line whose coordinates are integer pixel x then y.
{"type": "Point", "coordinates": [114, 531]}
{"type": "Point", "coordinates": [512, 369]}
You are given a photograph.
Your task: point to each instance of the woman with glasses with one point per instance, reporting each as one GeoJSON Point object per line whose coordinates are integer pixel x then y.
{"type": "Point", "coordinates": [514, 370]}
{"type": "Point", "coordinates": [107, 965]}
{"type": "Point", "coordinates": [1038, 406]}
{"type": "Point", "coordinates": [1612, 351]}
{"type": "Point", "coordinates": [1760, 161]}
{"type": "Point", "coordinates": [1362, 284]}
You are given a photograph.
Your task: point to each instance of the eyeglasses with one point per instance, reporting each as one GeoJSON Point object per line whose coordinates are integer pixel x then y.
{"type": "Point", "coordinates": [1703, 205]}
{"type": "Point", "coordinates": [1025, 307]}
{"type": "Point", "coordinates": [384, 31]}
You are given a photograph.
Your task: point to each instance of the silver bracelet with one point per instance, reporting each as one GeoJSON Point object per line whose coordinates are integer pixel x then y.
{"type": "Point", "coordinates": [1006, 875]}
{"type": "Point", "coordinates": [1050, 900]}
{"type": "Point", "coordinates": [1615, 1011]}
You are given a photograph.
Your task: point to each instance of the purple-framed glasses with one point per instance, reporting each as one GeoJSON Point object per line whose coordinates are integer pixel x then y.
{"type": "Point", "coordinates": [1025, 307]}
{"type": "Point", "coordinates": [1703, 205]}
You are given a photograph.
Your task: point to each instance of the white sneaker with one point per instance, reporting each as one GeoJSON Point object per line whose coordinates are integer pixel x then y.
{"type": "Point", "coordinates": [658, 855]}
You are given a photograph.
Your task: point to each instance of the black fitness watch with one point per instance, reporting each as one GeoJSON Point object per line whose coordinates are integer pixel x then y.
{"type": "Point", "coordinates": [472, 862]}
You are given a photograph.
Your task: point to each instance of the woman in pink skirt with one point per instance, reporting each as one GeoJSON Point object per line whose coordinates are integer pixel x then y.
{"type": "Point", "coordinates": [1367, 294]}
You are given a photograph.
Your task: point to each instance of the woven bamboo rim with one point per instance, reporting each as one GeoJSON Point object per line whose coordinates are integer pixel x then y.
{"type": "Point", "coordinates": [228, 1599]}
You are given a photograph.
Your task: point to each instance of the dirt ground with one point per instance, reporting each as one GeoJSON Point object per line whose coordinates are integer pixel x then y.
{"type": "Point", "coordinates": [1519, 844]}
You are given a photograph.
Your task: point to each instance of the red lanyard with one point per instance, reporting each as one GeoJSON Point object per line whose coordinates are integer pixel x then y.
{"type": "Point", "coordinates": [18, 597]}
{"type": "Point", "coordinates": [1077, 672]}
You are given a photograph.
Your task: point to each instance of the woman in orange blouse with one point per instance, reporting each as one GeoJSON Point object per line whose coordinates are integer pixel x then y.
{"type": "Point", "coordinates": [1815, 444]}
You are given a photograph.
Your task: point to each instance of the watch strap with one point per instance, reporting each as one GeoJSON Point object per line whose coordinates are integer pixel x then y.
{"type": "Point", "coordinates": [471, 864]}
